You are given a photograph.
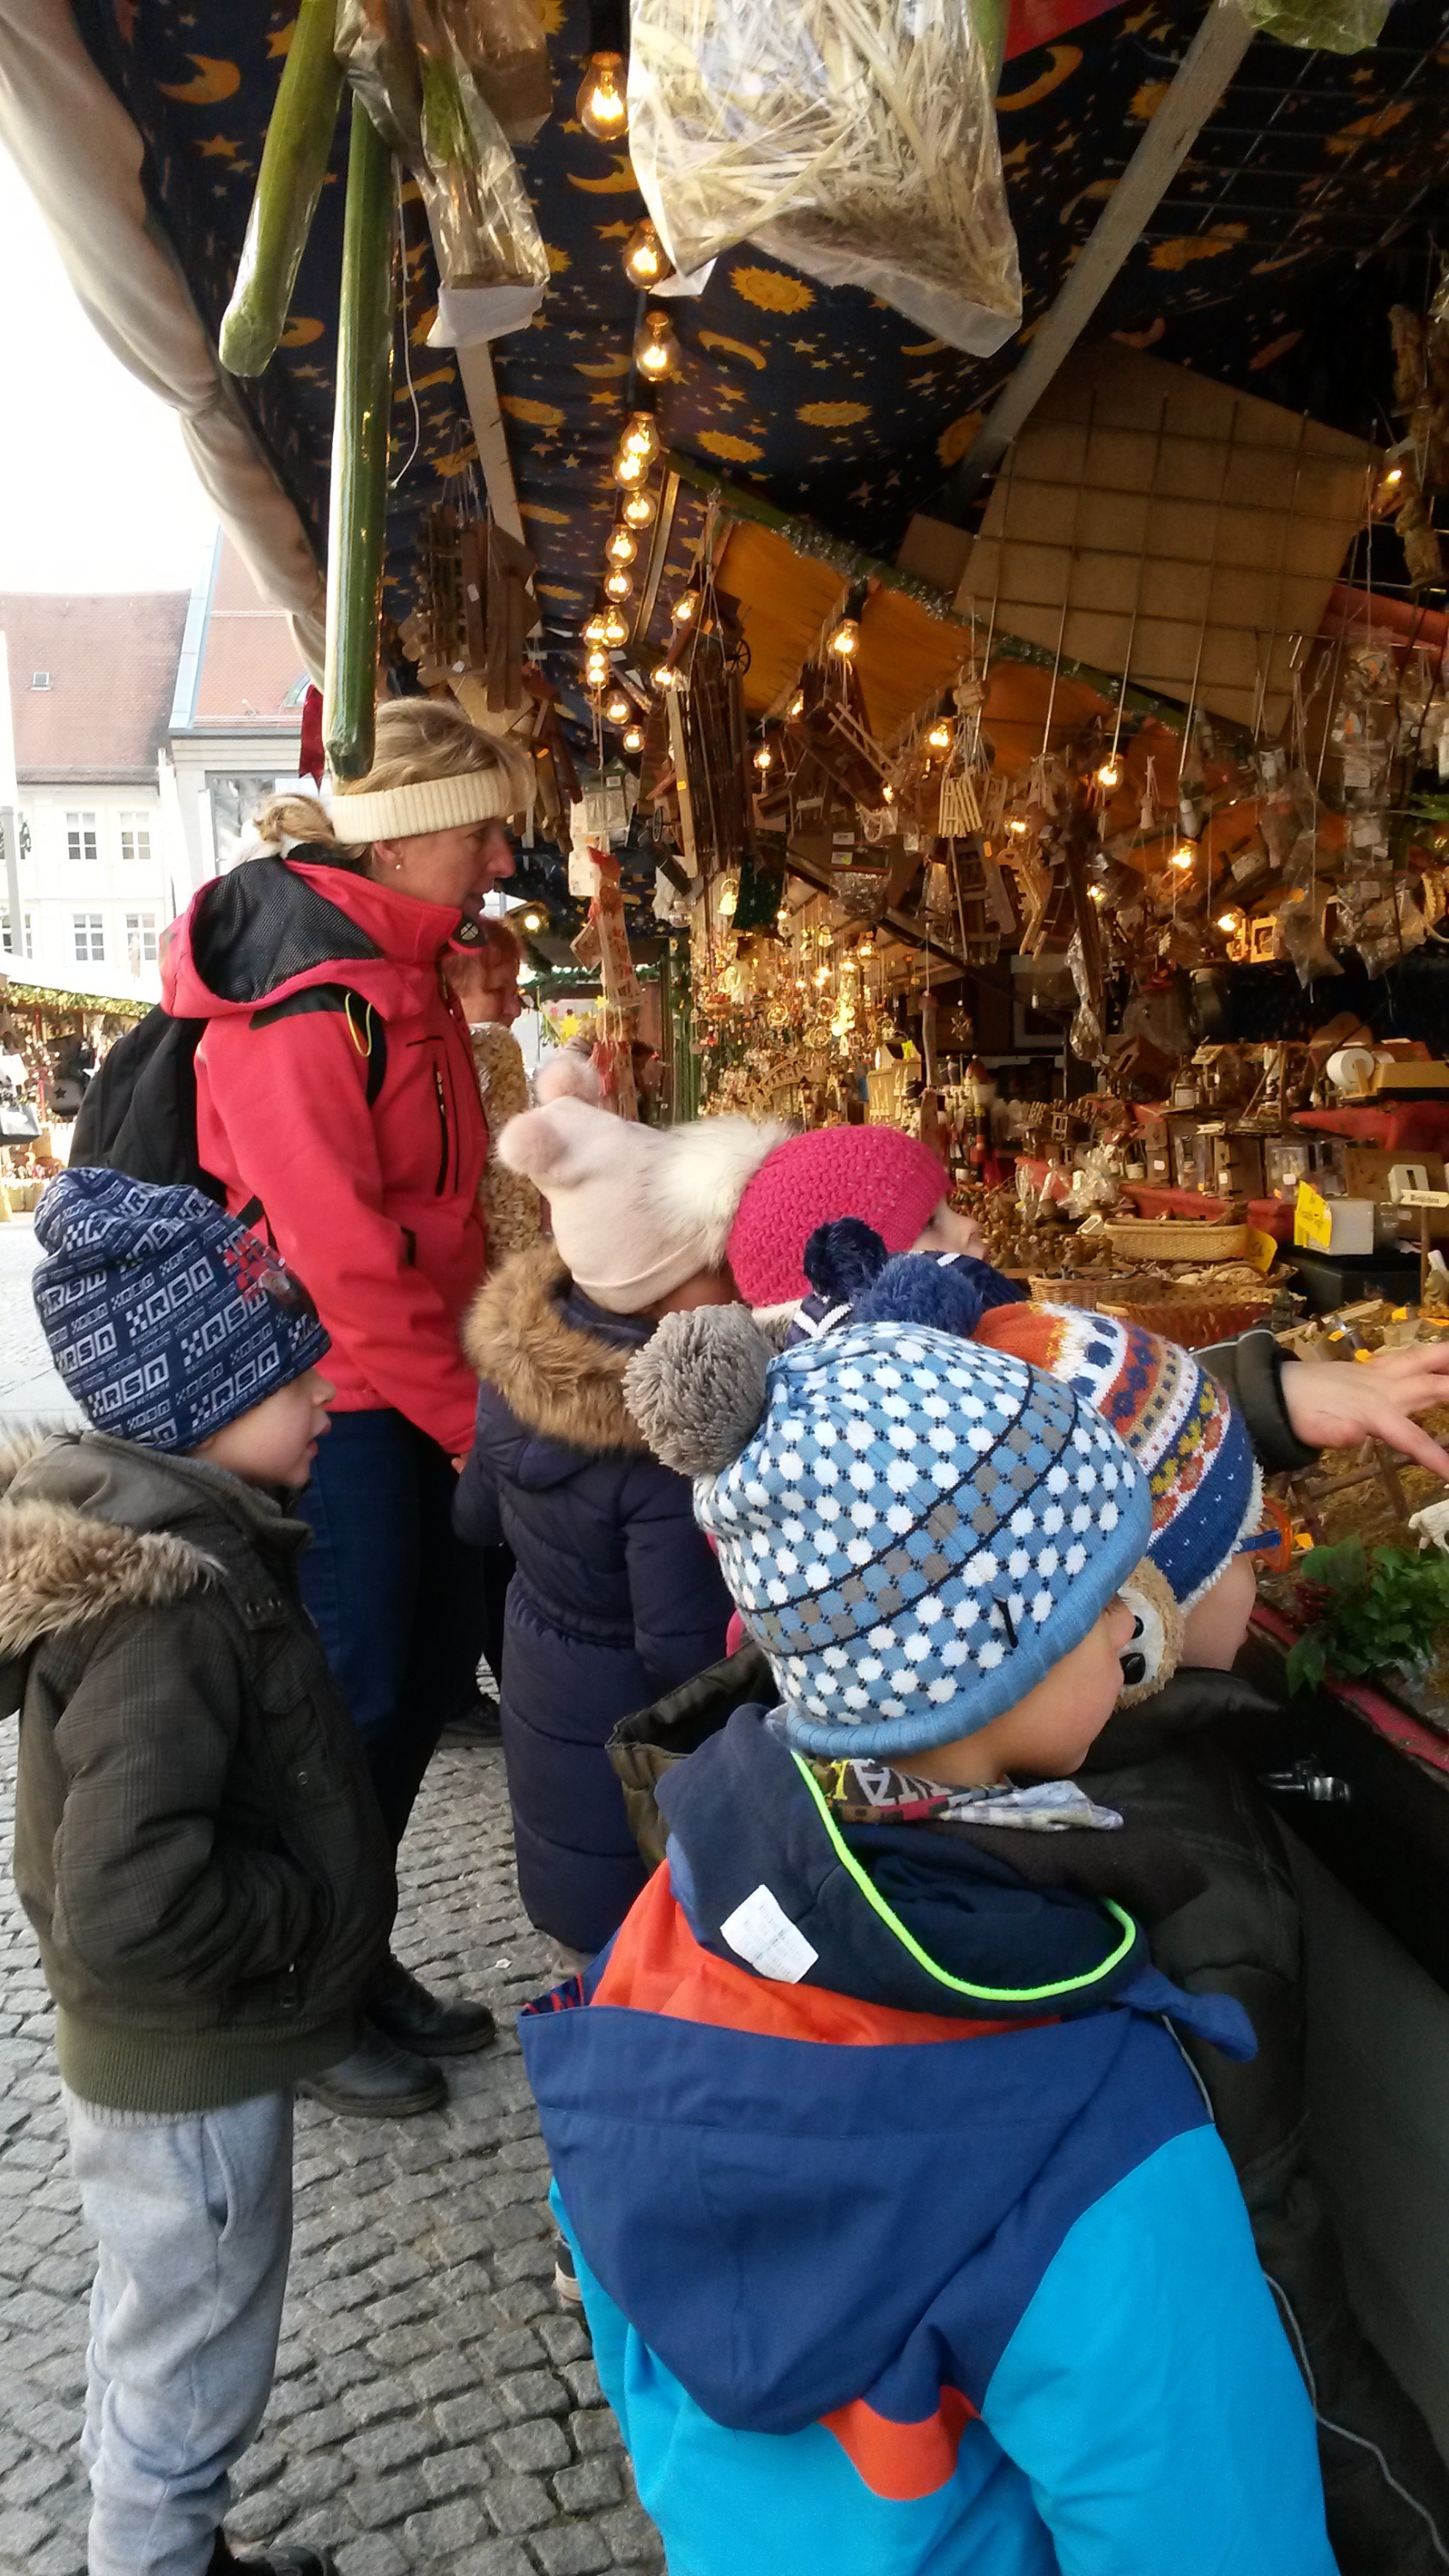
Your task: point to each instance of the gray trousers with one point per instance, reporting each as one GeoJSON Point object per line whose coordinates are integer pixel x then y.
{"type": "Point", "coordinates": [194, 2218]}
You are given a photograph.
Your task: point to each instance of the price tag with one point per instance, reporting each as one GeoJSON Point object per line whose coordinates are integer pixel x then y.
{"type": "Point", "coordinates": [1312, 1220]}
{"type": "Point", "coordinates": [1261, 1249]}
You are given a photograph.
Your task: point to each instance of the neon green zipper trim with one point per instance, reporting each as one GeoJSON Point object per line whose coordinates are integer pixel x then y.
{"type": "Point", "coordinates": [923, 1959]}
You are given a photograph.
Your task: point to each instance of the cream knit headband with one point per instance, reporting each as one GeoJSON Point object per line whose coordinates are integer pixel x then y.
{"type": "Point", "coordinates": [430, 805]}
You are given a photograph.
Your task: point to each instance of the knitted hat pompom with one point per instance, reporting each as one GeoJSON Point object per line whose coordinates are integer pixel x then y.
{"type": "Point", "coordinates": [914, 1290]}
{"type": "Point", "coordinates": [698, 1388]}
{"type": "Point", "coordinates": [844, 1259]}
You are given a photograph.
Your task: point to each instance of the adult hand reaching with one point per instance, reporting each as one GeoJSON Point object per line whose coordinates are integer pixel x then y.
{"type": "Point", "coordinates": [1333, 1406]}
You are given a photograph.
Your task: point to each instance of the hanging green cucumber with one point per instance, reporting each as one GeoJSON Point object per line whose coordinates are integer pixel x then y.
{"type": "Point", "coordinates": [289, 183]}
{"type": "Point", "coordinates": [360, 423]}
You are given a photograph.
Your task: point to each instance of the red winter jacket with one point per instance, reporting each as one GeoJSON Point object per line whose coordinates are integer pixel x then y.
{"type": "Point", "coordinates": [373, 1203]}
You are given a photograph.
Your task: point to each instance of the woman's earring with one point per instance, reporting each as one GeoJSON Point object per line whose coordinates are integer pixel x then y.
{"type": "Point", "coordinates": [397, 867]}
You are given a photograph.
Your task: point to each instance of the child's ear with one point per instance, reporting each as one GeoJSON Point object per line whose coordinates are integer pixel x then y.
{"type": "Point", "coordinates": [698, 1388]}
{"type": "Point", "coordinates": [1160, 1629]}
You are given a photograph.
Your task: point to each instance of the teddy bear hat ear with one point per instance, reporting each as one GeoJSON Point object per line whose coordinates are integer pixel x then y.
{"type": "Point", "coordinates": [698, 1388]}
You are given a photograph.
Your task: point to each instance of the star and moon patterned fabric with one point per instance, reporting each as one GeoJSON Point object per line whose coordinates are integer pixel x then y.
{"type": "Point", "coordinates": [825, 400]}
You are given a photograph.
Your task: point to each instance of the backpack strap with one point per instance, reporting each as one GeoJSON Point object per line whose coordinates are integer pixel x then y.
{"type": "Point", "coordinates": [365, 1024]}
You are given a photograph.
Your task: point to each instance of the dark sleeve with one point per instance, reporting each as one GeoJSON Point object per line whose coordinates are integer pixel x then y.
{"type": "Point", "coordinates": [1251, 1369]}
{"type": "Point", "coordinates": [476, 1514]}
{"type": "Point", "coordinates": [149, 1891]}
{"type": "Point", "coordinates": [681, 1607]}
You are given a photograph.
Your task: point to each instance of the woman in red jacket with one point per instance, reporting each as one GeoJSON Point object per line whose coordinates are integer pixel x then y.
{"type": "Point", "coordinates": [337, 1104]}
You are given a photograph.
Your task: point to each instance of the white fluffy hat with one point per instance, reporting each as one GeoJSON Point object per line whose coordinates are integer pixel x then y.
{"type": "Point", "coordinates": [635, 1210]}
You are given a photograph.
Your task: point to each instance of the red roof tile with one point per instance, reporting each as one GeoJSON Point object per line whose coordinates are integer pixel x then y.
{"type": "Point", "coordinates": [111, 662]}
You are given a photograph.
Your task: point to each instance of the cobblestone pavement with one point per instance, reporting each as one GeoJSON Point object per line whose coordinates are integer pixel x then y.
{"type": "Point", "coordinates": [29, 1386]}
{"type": "Point", "coordinates": [433, 2408]}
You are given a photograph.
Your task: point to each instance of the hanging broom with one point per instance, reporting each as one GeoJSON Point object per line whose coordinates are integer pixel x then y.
{"type": "Point", "coordinates": [358, 516]}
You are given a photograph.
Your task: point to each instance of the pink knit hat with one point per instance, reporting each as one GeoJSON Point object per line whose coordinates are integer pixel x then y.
{"type": "Point", "coordinates": [890, 1180]}
{"type": "Point", "coordinates": [635, 1210]}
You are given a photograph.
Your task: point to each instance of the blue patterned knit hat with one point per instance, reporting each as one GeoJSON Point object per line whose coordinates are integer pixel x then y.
{"type": "Point", "coordinates": [165, 1316]}
{"type": "Point", "coordinates": [918, 1530]}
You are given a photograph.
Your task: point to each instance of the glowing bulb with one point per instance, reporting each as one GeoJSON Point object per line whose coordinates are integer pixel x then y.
{"type": "Point", "coordinates": [603, 107]}
{"type": "Point", "coordinates": [639, 509]}
{"type": "Point", "coordinates": [617, 708]}
{"type": "Point", "coordinates": [618, 584]}
{"type": "Point", "coordinates": [939, 736]}
{"type": "Point", "coordinates": [684, 608]}
{"type": "Point", "coordinates": [594, 628]}
{"type": "Point", "coordinates": [822, 974]}
{"type": "Point", "coordinates": [596, 669]}
{"type": "Point", "coordinates": [846, 638]}
{"type": "Point", "coordinates": [630, 468]}
{"type": "Point", "coordinates": [622, 546]}
{"type": "Point", "coordinates": [533, 919]}
{"type": "Point", "coordinates": [657, 353]}
{"type": "Point", "coordinates": [1228, 921]}
{"type": "Point", "coordinates": [1097, 893]}
{"type": "Point", "coordinates": [646, 261]}
{"type": "Point", "coordinates": [641, 438]}
{"type": "Point", "coordinates": [664, 677]}
{"type": "Point", "coordinates": [1394, 475]}
{"type": "Point", "coordinates": [1184, 855]}
{"type": "Point", "coordinates": [1110, 774]}
{"type": "Point", "coordinates": [633, 737]}
{"type": "Point", "coordinates": [887, 796]}
{"type": "Point", "coordinates": [797, 706]}
{"type": "Point", "coordinates": [764, 757]}
{"type": "Point", "coordinates": [616, 625]}
{"type": "Point", "coordinates": [1017, 824]}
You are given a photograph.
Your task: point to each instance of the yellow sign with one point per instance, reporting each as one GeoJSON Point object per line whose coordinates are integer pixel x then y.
{"type": "Point", "coordinates": [1261, 1249]}
{"type": "Point", "coordinates": [1312, 1220]}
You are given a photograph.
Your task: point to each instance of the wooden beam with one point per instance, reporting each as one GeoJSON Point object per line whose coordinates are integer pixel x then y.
{"type": "Point", "coordinates": [475, 370]}
{"type": "Point", "coordinates": [1196, 88]}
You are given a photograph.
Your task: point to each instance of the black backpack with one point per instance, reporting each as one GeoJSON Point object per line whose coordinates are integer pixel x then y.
{"type": "Point", "coordinates": [139, 1114]}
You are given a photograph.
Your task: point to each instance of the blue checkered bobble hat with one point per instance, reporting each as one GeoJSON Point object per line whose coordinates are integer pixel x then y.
{"type": "Point", "coordinates": [165, 1316]}
{"type": "Point", "coordinates": [916, 1531]}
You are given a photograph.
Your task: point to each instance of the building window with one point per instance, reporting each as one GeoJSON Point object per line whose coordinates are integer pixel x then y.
{"type": "Point", "coordinates": [136, 836]}
{"type": "Point", "coordinates": [90, 938]}
{"type": "Point", "coordinates": [80, 836]}
{"type": "Point", "coordinates": [27, 947]}
{"type": "Point", "coordinates": [140, 940]}
{"type": "Point", "coordinates": [40, 679]}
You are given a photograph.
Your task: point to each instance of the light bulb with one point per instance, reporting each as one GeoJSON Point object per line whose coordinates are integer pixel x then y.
{"type": "Point", "coordinates": [1394, 475]}
{"type": "Point", "coordinates": [1017, 824]}
{"type": "Point", "coordinates": [664, 677]}
{"type": "Point", "coordinates": [684, 608]}
{"type": "Point", "coordinates": [646, 261]}
{"type": "Point", "coordinates": [616, 625]}
{"type": "Point", "coordinates": [634, 737]}
{"type": "Point", "coordinates": [1228, 921]}
{"type": "Point", "coordinates": [618, 584]}
{"type": "Point", "coordinates": [630, 468]}
{"type": "Point", "coordinates": [764, 757]}
{"type": "Point", "coordinates": [797, 706]}
{"type": "Point", "coordinates": [1097, 893]}
{"type": "Point", "coordinates": [939, 737]}
{"type": "Point", "coordinates": [603, 107]}
{"type": "Point", "coordinates": [657, 353]}
{"type": "Point", "coordinates": [846, 638]}
{"type": "Point", "coordinates": [887, 796]}
{"type": "Point", "coordinates": [639, 509]}
{"type": "Point", "coordinates": [822, 974]}
{"type": "Point", "coordinates": [1184, 855]}
{"type": "Point", "coordinates": [622, 545]}
{"type": "Point", "coordinates": [1109, 775]}
{"type": "Point", "coordinates": [596, 670]}
{"type": "Point", "coordinates": [533, 919]}
{"type": "Point", "coordinates": [594, 628]}
{"type": "Point", "coordinates": [640, 438]}
{"type": "Point", "coordinates": [617, 708]}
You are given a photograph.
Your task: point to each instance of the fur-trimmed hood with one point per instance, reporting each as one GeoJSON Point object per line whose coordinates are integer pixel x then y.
{"type": "Point", "coordinates": [89, 1526]}
{"type": "Point", "coordinates": [557, 1381]}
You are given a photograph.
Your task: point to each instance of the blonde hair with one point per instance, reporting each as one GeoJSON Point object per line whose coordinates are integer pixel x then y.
{"type": "Point", "coordinates": [417, 739]}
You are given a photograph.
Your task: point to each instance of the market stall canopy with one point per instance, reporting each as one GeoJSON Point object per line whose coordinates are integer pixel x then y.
{"type": "Point", "coordinates": [1258, 269]}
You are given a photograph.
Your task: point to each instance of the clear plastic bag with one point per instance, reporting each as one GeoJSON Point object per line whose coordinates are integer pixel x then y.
{"type": "Point", "coordinates": [417, 87]}
{"type": "Point", "coordinates": [855, 139]}
{"type": "Point", "coordinates": [1324, 26]}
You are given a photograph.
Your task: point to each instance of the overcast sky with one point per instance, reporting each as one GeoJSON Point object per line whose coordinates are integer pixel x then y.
{"type": "Point", "coordinates": [95, 489]}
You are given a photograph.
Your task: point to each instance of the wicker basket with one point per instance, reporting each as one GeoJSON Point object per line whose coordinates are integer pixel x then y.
{"type": "Point", "coordinates": [1194, 1323]}
{"type": "Point", "coordinates": [1176, 1239]}
{"type": "Point", "coordinates": [1092, 1289]}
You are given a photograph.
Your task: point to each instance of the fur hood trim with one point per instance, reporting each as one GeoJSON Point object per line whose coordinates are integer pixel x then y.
{"type": "Point", "coordinates": [59, 1566]}
{"type": "Point", "coordinates": [555, 1379]}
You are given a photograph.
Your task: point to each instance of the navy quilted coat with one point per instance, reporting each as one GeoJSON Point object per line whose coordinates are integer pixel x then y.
{"type": "Point", "coordinates": [616, 1596]}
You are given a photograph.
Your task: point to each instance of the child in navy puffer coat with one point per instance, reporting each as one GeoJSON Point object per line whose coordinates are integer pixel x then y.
{"type": "Point", "coordinates": [616, 1595]}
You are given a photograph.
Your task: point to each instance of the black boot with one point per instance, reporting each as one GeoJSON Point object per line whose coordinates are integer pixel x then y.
{"type": "Point", "coordinates": [377, 2081]}
{"type": "Point", "coordinates": [476, 1722]}
{"type": "Point", "coordinates": [405, 2012]}
{"type": "Point", "coordinates": [286, 2559]}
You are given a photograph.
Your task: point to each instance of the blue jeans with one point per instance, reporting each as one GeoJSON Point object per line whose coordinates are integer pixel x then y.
{"type": "Point", "coordinates": [194, 2218]}
{"type": "Point", "coordinates": [398, 1599]}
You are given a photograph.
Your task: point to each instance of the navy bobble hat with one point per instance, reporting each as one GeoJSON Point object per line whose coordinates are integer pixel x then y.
{"type": "Point", "coordinates": [917, 1531]}
{"type": "Point", "coordinates": [166, 1317]}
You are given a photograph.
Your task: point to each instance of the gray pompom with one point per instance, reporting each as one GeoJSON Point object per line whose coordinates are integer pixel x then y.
{"type": "Point", "coordinates": [697, 1389]}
